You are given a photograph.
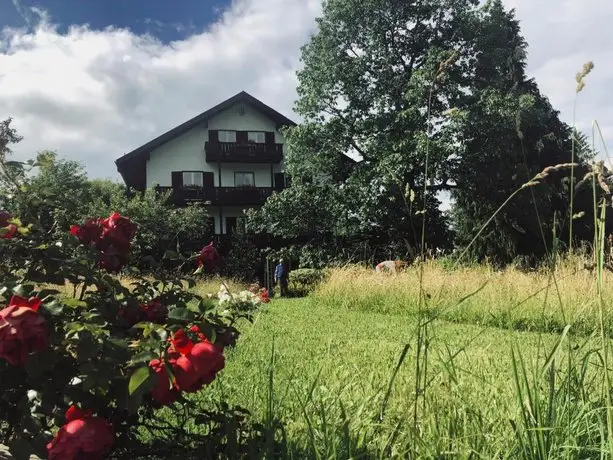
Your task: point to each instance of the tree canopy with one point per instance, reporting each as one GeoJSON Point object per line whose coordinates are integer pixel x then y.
{"type": "Point", "coordinates": [429, 95]}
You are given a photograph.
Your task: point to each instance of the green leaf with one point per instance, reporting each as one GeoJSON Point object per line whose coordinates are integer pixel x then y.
{"type": "Point", "coordinates": [74, 303]}
{"type": "Point", "coordinates": [143, 357]}
{"type": "Point", "coordinates": [140, 377]}
{"type": "Point", "coordinates": [159, 334]}
{"type": "Point", "coordinates": [23, 290]}
{"type": "Point", "coordinates": [21, 449]}
{"type": "Point", "coordinates": [53, 308]}
{"type": "Point", "coordinates": [181, 314]}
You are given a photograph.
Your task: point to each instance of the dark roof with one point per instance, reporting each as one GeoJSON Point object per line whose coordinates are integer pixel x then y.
{"type": "Point", "coordinates": [241, 97]}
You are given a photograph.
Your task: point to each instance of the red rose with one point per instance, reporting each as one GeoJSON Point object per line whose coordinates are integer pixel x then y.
{"type": "Point", "coordinates": [22, 330]}
{"type": "Point", "coordinates": [197, 364]}
{"type": "Point", "coordinates": [164, 392]}
{"type": "Point", "coordinates": [186, 375]}
{"type": "Point", "coordinates": [196, 330]}
{"type": "Point", "coordinates": [155, 311]}
{"type": "Point", "coordinates": [111, 236]}
{"type": "Point", "coordinates": [7, 230]}
{"type": "Point", "coordinates": [209, 257]}
{"type": "Point", "coordinates": [89, 232]}
{"type": "Point", "coordinates": [117, 233]}
{"type": "Point", "coordinates": [198, 368]}
{"type": "Point", "coordinates": [83, 436]}
{"type": "Point", "coordinates": [264, 295]}
{"type": "Point", "coordinates": [181, 342]}
{"type": "Point", "coordinates": [207, 360]}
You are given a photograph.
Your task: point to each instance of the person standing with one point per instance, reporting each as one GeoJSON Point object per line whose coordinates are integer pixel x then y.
{"type": "Point", "coordinates": [281, 277]}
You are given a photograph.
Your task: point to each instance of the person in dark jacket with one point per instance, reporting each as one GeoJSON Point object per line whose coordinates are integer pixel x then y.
{"type": "Point", "coordinates": [281, 277]}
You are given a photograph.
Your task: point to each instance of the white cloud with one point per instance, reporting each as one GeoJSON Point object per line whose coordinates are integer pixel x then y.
{"type": "Point", "coordinates": [562, 36]}
{"type": "Point", "coordinates": [93, 95]}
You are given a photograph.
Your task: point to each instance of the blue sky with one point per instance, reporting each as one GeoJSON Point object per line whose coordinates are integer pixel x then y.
{"type": "Point", "coordinates": [166, 20]}
{"type": "Point", "coordinates": [91, 92]}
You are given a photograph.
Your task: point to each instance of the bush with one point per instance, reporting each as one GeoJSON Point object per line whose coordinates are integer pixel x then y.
{"type": "Point", "coordinates": [302, 281]}
{"type": "Point", "coordinates": [86, 360]}
{"type": "Point", "coordinates": [60, 194]}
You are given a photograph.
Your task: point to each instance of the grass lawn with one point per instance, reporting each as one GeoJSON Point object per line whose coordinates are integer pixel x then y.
{"type": "Point", "coordinates": [331, 369]}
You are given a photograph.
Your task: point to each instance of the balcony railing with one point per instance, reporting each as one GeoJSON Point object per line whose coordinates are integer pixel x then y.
{"type": "Point", "coordinates": [231, 152]}
{"type": "Point", "coordinates": [248, 196]}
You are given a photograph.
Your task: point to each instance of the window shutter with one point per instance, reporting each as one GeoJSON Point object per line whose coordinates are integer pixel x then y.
{"type": "Point", "coordinates": [213, 135]}
{"type": "Point", "coordinates": [177, 179]}
{"type": "Point", "coordinates": [208, 179]}
{"type": "Point", "coordinates": [279, 181]}
{"type": "Point", "coordinates": [241, 137]}
{"type": "Point", "coordinates": [270, 137]}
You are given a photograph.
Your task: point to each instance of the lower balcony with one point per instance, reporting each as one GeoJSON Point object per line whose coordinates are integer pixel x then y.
{"type": "Point", "coordinates": [249, 196]}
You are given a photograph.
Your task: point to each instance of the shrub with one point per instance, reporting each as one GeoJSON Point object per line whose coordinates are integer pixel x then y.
{"type": "Point", "coordinates": [304, 280]}
{"type": "Point", "coordinates": [86, 360]}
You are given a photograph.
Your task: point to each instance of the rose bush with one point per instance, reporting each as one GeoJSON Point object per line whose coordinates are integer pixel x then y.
{"type": "Point", "coordinates": [74, 334]}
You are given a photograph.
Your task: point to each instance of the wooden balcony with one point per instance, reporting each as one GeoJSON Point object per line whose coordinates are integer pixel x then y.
{"type": "Point", "coordinates": [232, 152]}
{"type": "Point", "coordinates": [240, 196]}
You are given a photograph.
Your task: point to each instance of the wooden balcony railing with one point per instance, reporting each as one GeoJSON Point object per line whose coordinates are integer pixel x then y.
{"type": "Point", "coordinates": [248, 196]}
{"type": "Point", "coordinates": [232, 152]}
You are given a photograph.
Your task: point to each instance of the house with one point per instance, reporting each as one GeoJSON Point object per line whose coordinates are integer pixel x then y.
{"type": "Point", "coordinates": [228, 158]}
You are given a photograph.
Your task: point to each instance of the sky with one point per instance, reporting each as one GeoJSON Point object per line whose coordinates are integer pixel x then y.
{"type": "Point", "coordinates": [94, 79]}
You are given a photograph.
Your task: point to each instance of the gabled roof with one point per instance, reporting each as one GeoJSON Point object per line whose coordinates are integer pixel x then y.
{"type": "Point", "coordinates": [242, 97]}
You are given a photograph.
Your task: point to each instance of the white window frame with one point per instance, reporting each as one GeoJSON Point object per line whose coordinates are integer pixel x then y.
{"type": "Point", "coordinates": [190, 179]}
{"type": "Point", "coordinates": [246, 173]}
{"type": "Point", "coordinates": [259, 137]}
{"type": "Point", "coordinates": [225, 135]}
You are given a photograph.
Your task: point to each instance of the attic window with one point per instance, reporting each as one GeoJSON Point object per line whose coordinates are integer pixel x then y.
{"type": "Point", "coordinates": [241, 110]}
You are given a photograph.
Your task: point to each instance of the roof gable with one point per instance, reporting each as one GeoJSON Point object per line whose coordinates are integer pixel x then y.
{"type": "Point", "coordinates": [140, 153]}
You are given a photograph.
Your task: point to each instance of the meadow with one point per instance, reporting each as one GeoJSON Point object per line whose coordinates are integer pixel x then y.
{"type": "Point", "coordinates": [492, 364]}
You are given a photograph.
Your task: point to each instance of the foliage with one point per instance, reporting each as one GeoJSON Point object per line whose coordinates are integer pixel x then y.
{"type": "Point", "coordinates": [279, 216]}
{"type": "Point", "coordinates": [242, 260]}
{"type": "Point", "coordinates": [59, 194]}
{"type": "Point", "coordinates": [164, 227]}
{"type": "Point", "coordinates": [85, 360]}
{"type": "Point", "coordinates": [305, 280]}
{"type": "Point", "coordinates": [366, 90]}
{"type": "Point", "coordinates": [509, 133]}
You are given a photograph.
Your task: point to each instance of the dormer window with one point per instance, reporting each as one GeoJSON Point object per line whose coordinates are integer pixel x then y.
{"type": "Point", "coordinates": [227, 136]}
{"type": "Point", "coordinates": [258, 137]}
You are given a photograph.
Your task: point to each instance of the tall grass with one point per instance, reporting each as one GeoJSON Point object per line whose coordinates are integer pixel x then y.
{"type": "Point", "coordinates": [510, 298]}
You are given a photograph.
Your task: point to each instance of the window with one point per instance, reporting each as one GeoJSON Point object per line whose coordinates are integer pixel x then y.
{"type": "Point", "coordinates": [244, 179]}
{"type": "Point", "coordinates": [256, 136]}
{"type": "Point", "coordinates": [192, 179]}
{"type": "Point", "coordinates": [227, 136]}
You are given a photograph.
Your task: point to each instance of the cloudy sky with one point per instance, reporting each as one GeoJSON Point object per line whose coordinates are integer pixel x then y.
{"type": "Point", "coordinates": [95, 79]}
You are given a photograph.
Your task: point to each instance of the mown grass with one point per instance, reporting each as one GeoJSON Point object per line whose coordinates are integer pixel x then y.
{"type": "Point", "coordinates": [324, 367]}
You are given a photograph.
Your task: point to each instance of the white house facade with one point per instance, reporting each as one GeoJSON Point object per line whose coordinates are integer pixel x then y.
{"type": "Point", "coordinates": [229, 158]}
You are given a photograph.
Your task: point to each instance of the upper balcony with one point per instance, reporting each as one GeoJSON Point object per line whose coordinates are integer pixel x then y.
{"type": "Point", "coordinates": [242, 196]}
{"type": "Point", "coordinates": [250, 152]}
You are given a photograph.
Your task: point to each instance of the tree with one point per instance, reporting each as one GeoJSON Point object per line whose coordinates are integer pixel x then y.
{"type": "Point", "coordinates": [375, 85]}
{"type": "Point", "coordinates": [508, 133]}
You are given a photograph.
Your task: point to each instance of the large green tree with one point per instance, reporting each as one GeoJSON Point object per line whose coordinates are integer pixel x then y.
{"type": "Point", "coordinates": [376, 85]}
{"type": "Point", "coordinates": [508, 132]}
